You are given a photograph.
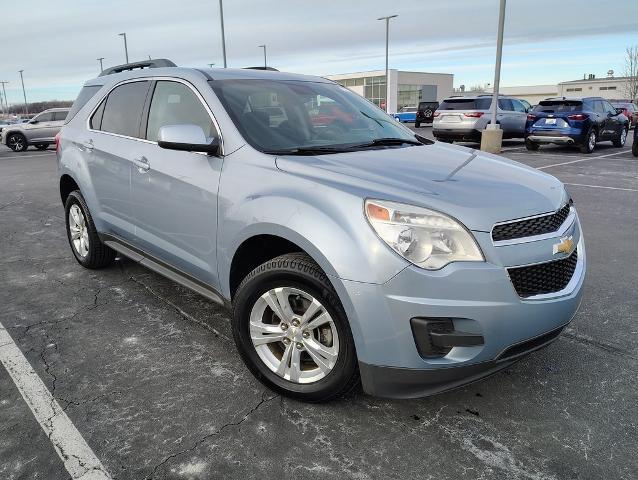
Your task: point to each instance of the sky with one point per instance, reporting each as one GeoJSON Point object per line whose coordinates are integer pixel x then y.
{"type": "Point", "coordinates": [545, 42]}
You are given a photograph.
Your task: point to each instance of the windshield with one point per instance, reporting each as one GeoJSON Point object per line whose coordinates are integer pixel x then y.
{"type": "Point", "coordinates": [279, 116]}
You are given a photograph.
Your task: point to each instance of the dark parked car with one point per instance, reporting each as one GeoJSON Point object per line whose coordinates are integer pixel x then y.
{"type": "Point", "coordinates": [629, 109]}
{"type": "Point", "coordinates": [425, 113]}
{"type": "Point", "coordinates": [634, 148]}
{"type": "Point", "coordinates": [581, 122]}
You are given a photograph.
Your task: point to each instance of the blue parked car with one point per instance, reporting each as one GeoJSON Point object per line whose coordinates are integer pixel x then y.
{"type": "Point", "coordinates": [406, 114]}
{"type": "Point", "coordinates": [582, 122]}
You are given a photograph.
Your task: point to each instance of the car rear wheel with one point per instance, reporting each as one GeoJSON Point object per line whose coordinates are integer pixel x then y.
{"type": "Point", "coordinates": [634, 148]}
{"type": "Point", "coordinates": [17, 142]}
{"type": "Point", "coordinates": [85, 243]}
{"type": "Point", "coordinates": [292, 331]}
{"type": "Point", "coordinates": [533, 146]}
{"type": "Point", "coordinates": [620, 140]}
{"type": "Point", "coordinates": [590, 143]}
{"type": "Point", "coordinates": [42, 146]}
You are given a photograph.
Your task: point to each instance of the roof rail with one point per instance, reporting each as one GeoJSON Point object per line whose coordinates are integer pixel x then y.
{"type": "Point", "coordinates": [155, 63]}
{"type": "Point", "coordinates": [261, 68]}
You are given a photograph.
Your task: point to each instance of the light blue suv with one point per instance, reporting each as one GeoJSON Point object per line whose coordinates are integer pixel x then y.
{"type": "Point", "coordinates": [350, 251]}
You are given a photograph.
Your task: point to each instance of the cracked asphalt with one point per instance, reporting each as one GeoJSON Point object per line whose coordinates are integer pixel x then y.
{"type": "Point", "coordinates": [147, 371]}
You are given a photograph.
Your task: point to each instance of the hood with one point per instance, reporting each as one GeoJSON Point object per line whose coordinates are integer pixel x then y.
{"type": "Point", "coordinates": [475, 187]}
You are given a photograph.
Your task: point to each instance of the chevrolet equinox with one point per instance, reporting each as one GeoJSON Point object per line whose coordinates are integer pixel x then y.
{"type": "Point", "coordinates": [350, 252]}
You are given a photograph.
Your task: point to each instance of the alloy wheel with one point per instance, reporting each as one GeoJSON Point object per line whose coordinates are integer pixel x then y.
{"type": "Point", "coordinates": [294, 335]}
{"type": "Point", "coordinates": [592, 140]}
{"type": "Point", "coordinates": [16, 142]}
{"type": "Point", "coordinates": [79, 231]}
{"type": "Point", "coordinates": [623, 137]}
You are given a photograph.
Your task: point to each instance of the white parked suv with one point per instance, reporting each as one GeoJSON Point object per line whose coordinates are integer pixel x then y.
{"type": "Point", "coordinates": [40, 131]}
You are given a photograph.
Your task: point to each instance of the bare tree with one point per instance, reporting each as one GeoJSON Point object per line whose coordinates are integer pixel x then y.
{"type": "Point", "coordinates": [631, 72]}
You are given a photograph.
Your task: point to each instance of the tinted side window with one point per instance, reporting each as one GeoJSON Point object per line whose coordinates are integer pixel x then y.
{"type": "Point", "coordinates": [175, 104]}
{"type": "Point", "coordinates": [96, 119]}
{"type": "Point", "coordinates": [609, 108]}
{"type": "Point", "coordinates": [44, 117]}
{"type": "Point", "coordinates": [123, 109]}
{"type": "Point", "coordinates": [505, 104]}
{"type": "Point", "coordinates": [85, 95]}
{"type": "Point", "coordinates": [518, 106]}
{"type": "Point", "coordinates": [598, 106]}
{"type": "Point", "coordinates": [59, 116]}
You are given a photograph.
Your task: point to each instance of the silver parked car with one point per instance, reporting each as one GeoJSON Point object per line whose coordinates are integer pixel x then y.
{"type": "Point", "coordinates": [464, 118]}
{"type": "Point", "coordinates": [40, 131]}
{"type": "Point", "coordinates": [349, 249]}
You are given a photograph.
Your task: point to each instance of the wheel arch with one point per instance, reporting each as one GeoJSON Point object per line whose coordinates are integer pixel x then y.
{"type": "Point", "coordinates": [67, 185]}
{"type": "Point", "coordinates": [11, 132]}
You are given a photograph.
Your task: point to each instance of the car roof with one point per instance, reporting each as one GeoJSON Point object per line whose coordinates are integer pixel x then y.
{"type": "Point", "coordinates": [57, 109]}
{"type": "Point", "coordinates": [206, 73]}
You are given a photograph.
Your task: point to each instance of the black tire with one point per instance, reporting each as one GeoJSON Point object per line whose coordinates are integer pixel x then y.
{"type": "Point", "coordinates": [588, 146]}
{"type": "Point", "coordinates": [295, 270]}
{"type": "Point", "coordinates": [42, 146]}
{"type": "Point", "coordinates": [17, 142]}
{"type": "Point", "coordinates": [533, 146]}
{"type": "Point", "coordinates": [417, 124]}
{"type": "Point", "coordinates": [619, 141]}
{"type": "Point", "coordinates": [634, 148]}
{"type": "Point", "coordinates": [99, 255]}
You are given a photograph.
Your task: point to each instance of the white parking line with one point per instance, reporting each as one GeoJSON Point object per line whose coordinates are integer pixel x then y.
{"type": "Point", "coordinates": [602, 186]}
{"type": "Point", "coordinates": [28, 156]}
{"type": "Point", "coordinates": [581, 160]}
{"type": "Point", "coordinates": [78, 458]}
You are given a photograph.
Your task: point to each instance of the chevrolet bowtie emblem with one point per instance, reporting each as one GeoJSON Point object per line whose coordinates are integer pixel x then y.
{"type": "Point", "coordinates": [565, 246]}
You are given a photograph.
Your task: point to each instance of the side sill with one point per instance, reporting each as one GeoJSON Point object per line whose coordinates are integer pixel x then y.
{"type": "Point", "coordinates": [163, 268]}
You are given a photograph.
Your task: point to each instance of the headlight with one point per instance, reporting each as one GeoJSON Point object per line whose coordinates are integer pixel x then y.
{"type": "Point", "coordinates": [424, 237]}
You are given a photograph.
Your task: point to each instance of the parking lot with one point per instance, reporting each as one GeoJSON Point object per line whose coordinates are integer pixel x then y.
{"type": "Point", "coordinates": [148, 374]}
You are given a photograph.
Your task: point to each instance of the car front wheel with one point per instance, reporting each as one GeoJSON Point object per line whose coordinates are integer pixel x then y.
{"type": "Point", "coordinates": [532, 146]}
{"type": "Point", "coordinates": [292, 332]}
{"type": "Point", "coordinates": [620, 140]}
{"type": "Point", "coordinates": [17, 142]}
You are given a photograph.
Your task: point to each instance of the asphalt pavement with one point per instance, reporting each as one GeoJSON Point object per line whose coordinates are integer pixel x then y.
{"type": "Point", "coordinates": [147, 372]}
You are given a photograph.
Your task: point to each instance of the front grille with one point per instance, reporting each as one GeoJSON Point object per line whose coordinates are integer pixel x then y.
{"type": "Point", "coordinates": [543, 278]}
{"type": "Point", "coordinates": [531, 226]}
{"type": "Point", "coordinates": [530, 345]}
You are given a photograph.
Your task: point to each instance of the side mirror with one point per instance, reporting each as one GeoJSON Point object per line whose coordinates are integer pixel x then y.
{"type": "Point", "coordinates": [34, 121]}
{"type": "Point", "coordinates": [189, 138]}
{"type": "Point", "coordinates": [619, 111]}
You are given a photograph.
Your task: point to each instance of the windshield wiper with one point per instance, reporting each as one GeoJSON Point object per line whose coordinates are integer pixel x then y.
{"type": "Point", "coordinates": [380, 142]}
{"type": "Point", "coordinates": [309, 151]}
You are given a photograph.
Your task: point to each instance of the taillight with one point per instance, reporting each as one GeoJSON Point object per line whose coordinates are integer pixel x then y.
{"type": "Point", "coordinates": [473, 114]}
{"type": "Point", "coordinates": [57, 142]}
{"type": "Point", "coordinates": [578, 116]}
{"type": "Point", "coordinates": [436, 114]}
{"type": "Point", "coordinates": [531, 116]}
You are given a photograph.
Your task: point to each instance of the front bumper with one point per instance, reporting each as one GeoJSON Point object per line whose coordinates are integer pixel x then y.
{"type": "Point", "coordinates": [460, 134]}
{"type": "Point", "coordinates": [479, 298]}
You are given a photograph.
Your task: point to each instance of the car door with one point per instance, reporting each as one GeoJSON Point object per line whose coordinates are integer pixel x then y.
{"type": "Point", "coordinates": [175, 192]}
{"type": "Point", "coordinates": [58, 121]}
{"type": "Point", "coordinates": [613, 123]}
{"type": "Point", "coordinates": [507, 117]}
{"type": "Point", "coordinates": [602, 120]}
{"type": "Point", "coordinates": [40, 128]}
{"type": "Point", "coordinates": [111, 144]}
{"type": "Point", "coordinates": [519, 117]}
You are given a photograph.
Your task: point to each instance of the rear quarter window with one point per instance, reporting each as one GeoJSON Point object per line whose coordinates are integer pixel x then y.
{"type": "Point", "coordinates": [84, 96]}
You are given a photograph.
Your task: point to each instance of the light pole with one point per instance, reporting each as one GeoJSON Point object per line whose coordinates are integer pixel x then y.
{"type": "Point", "coordinates": [264, 47]}
{"type": "Point", "coordinates": [4, 95]}
{"type": "Point", "coordinates": [492, 136]}
{"type": "Point", "coordinates": [387, 41]}
{"type": "Point", "coordinates": [125, 45]}
{"type": "Point", "coordinates": [100, 60]}
{"type": "Point", "coordinates": [221, 17]}
{"type": "Point", "coordinates": [24, 92]}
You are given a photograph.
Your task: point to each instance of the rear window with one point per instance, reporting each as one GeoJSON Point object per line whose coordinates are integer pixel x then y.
{"type": "Point", "coordinates": [85, 95]}
{"type": "Point", "coordinates": [558, 106]}
{"type": "Point", "coordinates": [466, 104]}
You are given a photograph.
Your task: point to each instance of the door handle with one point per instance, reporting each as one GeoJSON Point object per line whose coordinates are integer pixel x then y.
{"type": "Point", "coordinates": [142, 164]}
{"type": "Point", "coordinates": [88, 146]}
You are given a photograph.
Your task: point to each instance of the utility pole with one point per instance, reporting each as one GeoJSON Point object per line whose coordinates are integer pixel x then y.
{"type": "Point", "coordinates": [24, 92]}
{"type": "Point", "coordinates": [4, 95]}
{"type": "Point", "coordinates": [387, 76]}
{"type": "Point", "coordinates": [221, 17]}
{"type": "Point", "coordinates": [125, 45]}
{"type": "Point", "coordinates": [101, 67]}
{"type": "Point", "coordinates": [492, 136]}
{"type": "Point", "coordinates": [264, 47]}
